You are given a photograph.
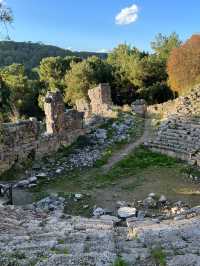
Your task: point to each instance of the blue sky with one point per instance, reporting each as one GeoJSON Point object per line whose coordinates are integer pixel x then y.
{"type": "Point", "coordinates": [91, 24]}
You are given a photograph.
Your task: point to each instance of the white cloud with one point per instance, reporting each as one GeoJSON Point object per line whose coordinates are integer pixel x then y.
{"type": "Point", "coordinates": [127, 15]}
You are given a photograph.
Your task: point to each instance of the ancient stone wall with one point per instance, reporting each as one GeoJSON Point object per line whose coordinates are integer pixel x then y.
{"type": "Point", "coordinates": [83, 105]}
{"type": "Point", "coordinates": [139, 107]}
{"type": "Point", "coordinates": [179, 134]}
{"type": "Point", "coordinates": [101, 101]}
{"type": "Point", "coordinates": [26, 139]}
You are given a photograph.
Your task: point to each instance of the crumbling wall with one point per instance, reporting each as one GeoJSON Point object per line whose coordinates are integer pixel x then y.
{"type": "Point", "coordinates": [139, 107]}
{"type": "Point", "coordinates": [100, 100]}
{"type": "Point", "coordinates": [25, 139]}
{"type": "Point", "coordinates": [164, 110]}
{"type": "Point", "coordinates": [54, 110]}
{"type": "Point", "coordinates": [83, 105]}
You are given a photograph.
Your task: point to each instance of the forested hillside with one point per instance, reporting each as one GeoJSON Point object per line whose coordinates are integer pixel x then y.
{"type": "Point", "coordinates": [30, 54]}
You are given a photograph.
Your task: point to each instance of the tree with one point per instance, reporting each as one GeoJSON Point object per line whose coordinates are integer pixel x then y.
{"type": "Point", "coordinates": [154, 88]}
{"type": "Point", "coordinates": [127, 72]}
{"type": "Point", "coordinates": [84, 76]}
{"type": "Point", "coordinates": [21, 92]}
{"type": "Point", "coordinates": [163, 45]}
{"type": "Point", "coordinates": [53, 69]}
{"type": "Point", "coordinates": [6, 16]}
{"type": "Point", "coordinates": [183, 66]}
{"type": "Point", "coordinates": [4, 101]}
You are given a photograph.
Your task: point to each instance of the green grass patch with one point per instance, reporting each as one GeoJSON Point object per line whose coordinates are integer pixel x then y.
{"type": "Point", "coordinates": [139, 160]}
{"type": "Point", "coordinates": [120, 262]}
{"type": "Point", "coordinates": [58, 251]}
{"type": "Point", "coordinates": [159, 256]}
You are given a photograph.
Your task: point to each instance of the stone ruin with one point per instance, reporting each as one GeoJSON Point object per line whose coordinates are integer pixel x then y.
{"type": "Point", "coordinates": [139, 107]}
{"type": "Point", "coordinates": [99, 103]}
{"type": "Point", "coordinates": [28, 139]}
{"type": "Point", "coordinates": [179, 132]}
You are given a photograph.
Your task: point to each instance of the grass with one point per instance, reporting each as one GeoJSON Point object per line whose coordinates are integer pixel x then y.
{"type": "Point", "coordinates": [140, 173]}
{"type": "Point", "coordinates": [132, 165]}
{"type": "Point", "coordinates": [19, 255]}
{"type": "Point", "coordinates": [59, 251]}
{"type": "Point", "coordinates": [159, 256]}
{"type": "Point", "coordinates": [61, 241]}
{"type": "Point", "coordinates": [120, 262]}
{"type": "Point", "coordinates": [139, 160]}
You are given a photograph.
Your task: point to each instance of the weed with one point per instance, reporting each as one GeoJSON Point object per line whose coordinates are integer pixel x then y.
{"type": "Point", "coordinates": [61, 241]}
{"type": "Point", "coordinates": [60, 250]}
{"type": "Point", "coordinates": [120, 262]}
{"type": "Point", "coordinates": [159, 256]}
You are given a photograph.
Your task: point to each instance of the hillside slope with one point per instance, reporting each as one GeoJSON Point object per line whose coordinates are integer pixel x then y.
{"type": "Point", "coordinates": [30, 54]}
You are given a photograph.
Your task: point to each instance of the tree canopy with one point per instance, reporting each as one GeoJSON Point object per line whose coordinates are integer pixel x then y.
{"type": "Point", "coordinates": [85, 75]}
{"type": "Point", "coordinates": [163, 45]}
{"type": "Point", "coordinates": [184, 65]}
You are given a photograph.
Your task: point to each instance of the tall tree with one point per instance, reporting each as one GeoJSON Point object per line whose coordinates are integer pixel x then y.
{"type": "Point", "coordinates": [163, 45]}
{"type": "Point", "coordinates": [6, 17]}
{"type": "Point", "coordinates": [85, 75]}
{"type": "Point", "coordinates": [53, 69]}
{"type": "Point", "coordinates": [127, 70]}
{"type": "Point", "coordinates": [184, 66]}
{"type": "Point", "coordinates": [19, 89]}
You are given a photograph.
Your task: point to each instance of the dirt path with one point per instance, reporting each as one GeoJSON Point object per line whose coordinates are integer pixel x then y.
{"type": "Point", "coordinates": [128, 148]}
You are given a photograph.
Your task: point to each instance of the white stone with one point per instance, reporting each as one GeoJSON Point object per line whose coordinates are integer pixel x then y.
{"type": "Point", "coordinates": [152, 195]}
{"type": "Point", "coordinates": [41, 175]}
{"type": "Point", "coordinates": [32, 179]}
{"type": "Point", "coordinates": [162, 199]}
{"type": "Point", "coordinates": [98, 212]}
{"type": "Point", "coordinates": [126, 212]}
{"type": "Point", "coordinates": [78, 196]}
{"type": "Point", "coordinates": [58, 171]}
{"type": "Point", "coordinates": [23, 183]}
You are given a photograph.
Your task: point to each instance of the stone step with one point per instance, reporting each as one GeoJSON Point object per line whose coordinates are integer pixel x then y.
{"type": "Point", "coordinates": [168, 146]}
{"type": "Point", "coordinates": [90, 259]}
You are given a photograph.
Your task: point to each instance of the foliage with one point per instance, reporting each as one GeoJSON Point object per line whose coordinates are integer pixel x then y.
{"type": "Point", "coordinates": [20, 92]}
{"type": "Point", "coordinates": [120, 262]}
{"type": "Point", "coordinates": [159, 92]}
{"type": "Point", "coordinates": [84, 76]}
{"type": "Point", "coordinates": [159, 256]}
{"type": "Point", "coordinates": [163, 45]}
{"type": "Point", "coordinates": [135, 72]}
{"type": "Point", "coordinates": [52, 70]}
{"type": "Point", "coordinates": [4, 101]}
{"type": "Point", "coordinates": [184, 65]}
{"type": "Point", "coordinates": [127, 70]}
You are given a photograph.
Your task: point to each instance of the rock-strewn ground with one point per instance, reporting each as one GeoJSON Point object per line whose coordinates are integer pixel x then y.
{"type": "Point", "coordinates": [94, 146]}
{"type": "Point", "coordinates": [38, 238]}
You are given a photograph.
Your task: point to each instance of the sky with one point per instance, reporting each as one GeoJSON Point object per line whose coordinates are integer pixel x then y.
{"type": "Point", "coordinates": [100, 25]}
